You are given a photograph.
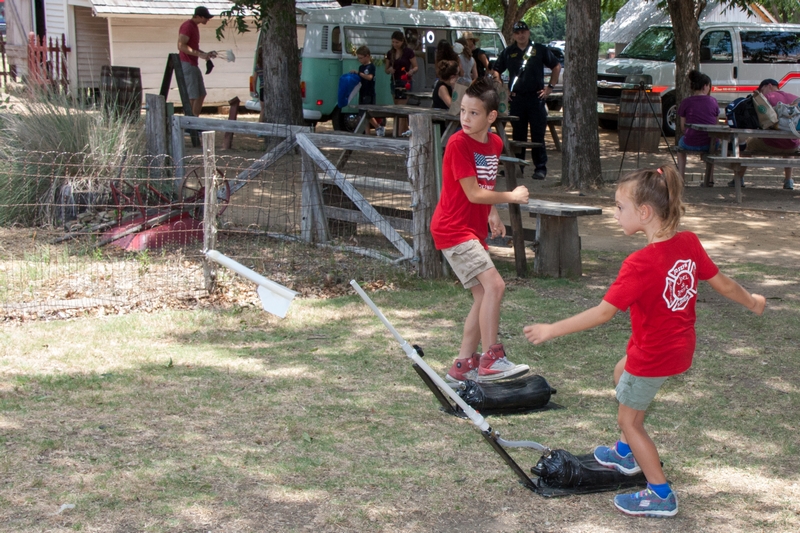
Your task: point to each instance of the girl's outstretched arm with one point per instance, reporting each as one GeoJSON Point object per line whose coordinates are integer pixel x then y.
{"type": "Point", "coordinates": [733, 291]}
{"type": "Point", "coordinates": [602, 313]}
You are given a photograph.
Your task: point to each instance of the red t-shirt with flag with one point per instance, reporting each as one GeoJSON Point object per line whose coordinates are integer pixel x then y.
{"type": "Point", "coordinates": [659, 285]}
{"type": "Point", "coordinates": [456, 219]}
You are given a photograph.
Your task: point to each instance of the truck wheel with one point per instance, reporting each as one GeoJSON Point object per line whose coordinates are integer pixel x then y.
{"type": "Point", "coordinates": [669, 110]}
{"type": "Point", "coordinates": [344, 121]}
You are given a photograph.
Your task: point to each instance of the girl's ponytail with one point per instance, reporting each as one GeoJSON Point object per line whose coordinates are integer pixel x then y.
{"type": "Point", "coordinates": [662, 189]}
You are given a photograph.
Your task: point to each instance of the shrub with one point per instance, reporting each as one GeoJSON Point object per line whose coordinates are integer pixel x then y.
{"type": "Point", "coordinates": [50, 145]}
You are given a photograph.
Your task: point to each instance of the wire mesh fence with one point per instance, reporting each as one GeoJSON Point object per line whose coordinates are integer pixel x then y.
{"type": "Point", "coordinates": [115, 232]}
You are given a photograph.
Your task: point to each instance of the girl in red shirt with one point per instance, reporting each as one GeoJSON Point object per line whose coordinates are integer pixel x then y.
{"type": "Point", "coordinates": [659, 285]}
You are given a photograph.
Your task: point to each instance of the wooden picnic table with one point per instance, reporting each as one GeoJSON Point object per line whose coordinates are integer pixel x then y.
{"type": "Point", "coordinates": [735, 161]}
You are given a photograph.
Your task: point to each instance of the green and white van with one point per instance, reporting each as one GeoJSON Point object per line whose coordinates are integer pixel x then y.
{"type": "Point", "coordinates": [332, 37]}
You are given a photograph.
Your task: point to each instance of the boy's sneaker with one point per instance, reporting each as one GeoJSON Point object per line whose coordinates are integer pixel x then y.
{"type": "Point", "coordinates": [495, 366]}
{"type": "Point", "coordinates": [789, 184]}
{"type": "Point", "coordinates": [380, 131]}
{"type": "Point", "coordinates": [647, 503]}
{"type": "Point", "coordinates": [464, 369]}
{"type": "Point", "coordinates": [609, 457]}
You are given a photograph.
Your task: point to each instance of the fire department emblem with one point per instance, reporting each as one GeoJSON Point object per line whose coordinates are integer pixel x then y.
{"type": "Point", "coordinates": [681, 285]}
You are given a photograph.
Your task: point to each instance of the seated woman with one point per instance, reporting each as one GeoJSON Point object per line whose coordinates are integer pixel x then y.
{"type": "Point", "coordinates": [447, 72]}
{"type": "Point", "coordinates": [700, 108]}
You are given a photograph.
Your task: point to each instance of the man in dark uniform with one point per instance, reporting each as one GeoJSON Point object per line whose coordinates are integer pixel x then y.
{"type": "Point", "coordinates": [525, 62]}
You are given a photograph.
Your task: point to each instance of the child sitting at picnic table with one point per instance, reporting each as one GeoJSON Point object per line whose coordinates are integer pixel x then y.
{"type": "Point", "coordinates": [700, 108]}
{"type": "Point", "coordinates": [447, 72]}
{"type": "Point", "coordinates": [459, 228]}
{"type": "Point", "coordinates": [659, 285]}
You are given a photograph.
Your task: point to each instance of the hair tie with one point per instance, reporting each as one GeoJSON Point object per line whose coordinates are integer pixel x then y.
{"type": "Point", "coordinates": [659, 170]}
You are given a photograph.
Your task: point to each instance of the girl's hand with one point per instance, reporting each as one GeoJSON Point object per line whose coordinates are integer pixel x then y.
{"type": "Point", "coordinates": [759, 305]}
{"type": "Point", "coordinates": [538, 333]}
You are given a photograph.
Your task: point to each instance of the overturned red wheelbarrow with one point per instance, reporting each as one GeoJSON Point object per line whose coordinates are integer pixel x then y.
{"type": "Point", "coordinates": [148, 219]}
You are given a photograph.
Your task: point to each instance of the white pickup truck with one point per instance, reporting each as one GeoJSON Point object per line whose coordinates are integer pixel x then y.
{"type": "Point", "coordinates": [736, 56]}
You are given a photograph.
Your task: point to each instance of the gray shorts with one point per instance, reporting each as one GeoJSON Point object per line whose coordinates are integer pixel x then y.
{"type": "Point", "coordinates": [194, 80]}
{"type": "Point", "coordinates": [636, 392]}
{"type": "Point", "coordinates": [468, 259]}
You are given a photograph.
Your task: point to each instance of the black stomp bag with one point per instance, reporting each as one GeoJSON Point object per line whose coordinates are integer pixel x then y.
{"type": "Point", "coordinates": [527, 393]}
{"type": "Point", "coordinates": [562, 474]}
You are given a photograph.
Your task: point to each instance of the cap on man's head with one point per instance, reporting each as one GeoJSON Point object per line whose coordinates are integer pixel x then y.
{"type": "Point", "coordinates": [521, 26]}
{"type": "Point", "coordinates": [768, 81]}
{"type": "Point", "coordinates": [202, 11]}
{"type": "Point", "coordinates": [469, 36]}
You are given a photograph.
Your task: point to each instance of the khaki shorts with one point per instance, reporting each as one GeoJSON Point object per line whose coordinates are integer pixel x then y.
{"type": "Point", "coordinates": [637, 393]}
{"type": "Point", "coordinates": [194, 80]}
{"type": "Point", "coordinates": [758, 145]}
{"type": "Point", "coordinates": [468, 259]}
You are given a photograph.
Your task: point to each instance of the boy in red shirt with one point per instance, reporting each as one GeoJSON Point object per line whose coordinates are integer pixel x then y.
{"type": "Point", "coordinates": [459, 229]}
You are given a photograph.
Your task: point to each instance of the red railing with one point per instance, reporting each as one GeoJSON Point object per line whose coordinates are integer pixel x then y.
{"type": "Point", "coordinates": [47, 62]}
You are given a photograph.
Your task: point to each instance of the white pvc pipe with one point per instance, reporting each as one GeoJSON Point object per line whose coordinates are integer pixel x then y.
{"type": "Point", "coordinates": [253, 276]}
{"type": "Point", "coordinates": [473, 415]}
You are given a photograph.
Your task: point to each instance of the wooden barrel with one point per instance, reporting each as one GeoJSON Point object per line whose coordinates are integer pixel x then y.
{"type": "Point", "coordinates": [639, 121]}
{"type": "Point", "coordinates": [121, 90]}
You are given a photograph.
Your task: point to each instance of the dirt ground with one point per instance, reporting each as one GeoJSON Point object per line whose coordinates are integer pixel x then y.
{"type": "Point", "coordinates": [764, 228]}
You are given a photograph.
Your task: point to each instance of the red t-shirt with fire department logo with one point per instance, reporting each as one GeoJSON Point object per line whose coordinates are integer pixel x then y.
{"type": "Point", "coordinates": [659, 285]}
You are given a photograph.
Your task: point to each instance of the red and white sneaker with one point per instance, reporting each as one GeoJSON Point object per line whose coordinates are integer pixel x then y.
{"type": "Point", "coordinates": [494, 365]}
{"type": "Point", "coordinates": [464, 369]}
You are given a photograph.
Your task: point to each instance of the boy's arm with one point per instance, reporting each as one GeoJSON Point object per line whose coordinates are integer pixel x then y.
{"type": "Point", "coordinates": [733, 291]}
{"type": "Point", "coordinates": [600, 314]}
{"type": "Point", "coordinates": [477, 195]}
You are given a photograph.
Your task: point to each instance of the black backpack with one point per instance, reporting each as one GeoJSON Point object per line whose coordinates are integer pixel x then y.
{"type": "Point", "coordinates": [741, 113]}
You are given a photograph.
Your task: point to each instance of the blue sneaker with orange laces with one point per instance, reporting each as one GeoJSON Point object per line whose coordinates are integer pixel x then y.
{"type": "Point", "coordinates": [647, 503]}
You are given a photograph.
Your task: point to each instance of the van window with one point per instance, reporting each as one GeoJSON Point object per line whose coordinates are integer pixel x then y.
{"type": "Point", "coordinates": [770, 46]}
{"type": "Point", "coordinates": [719, 45]}
{"type": "Point", "coordinates": [378, 40]}
{"type": "Point", "coordinates": [336, 40]}
{"type": "Point", "coordinates": [655, 43]}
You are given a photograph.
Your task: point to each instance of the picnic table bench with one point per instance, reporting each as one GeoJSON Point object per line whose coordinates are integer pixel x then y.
{"type": "Point", "coordinates": [557, 245]}
{"type": "Point", "coordinates": [731, 137]}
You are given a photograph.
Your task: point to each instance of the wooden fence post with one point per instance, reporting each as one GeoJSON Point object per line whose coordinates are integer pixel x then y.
{"type": "Point", "coordinates": [177, 150]}
{"type": "Point", "coordinates": [156, 134]}
{"type": "Point", "coordinates": [424, 195]}
{"type": "Point", "coordinates": [209, 209]}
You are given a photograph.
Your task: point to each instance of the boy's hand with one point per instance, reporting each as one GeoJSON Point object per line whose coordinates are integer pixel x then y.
{"type": "Point", "coordinates": [353, 72]}
{"type": "Point", "coordinates": [520, 195]}
{"type": "Point", "coordinates": [496, 224]}
{"type": "Point", "coordinates": [760, 304]}
{"type": "Point", "coordinates": [538, 333]}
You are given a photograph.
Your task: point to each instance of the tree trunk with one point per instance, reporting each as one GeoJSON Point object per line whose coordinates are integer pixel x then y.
{"type": "Point", "coordinates": [684, 15]}
{"type": "Point", "coordinates": [513, 12]}
{"type": "Point", "coordinates": [580, 165]}
{"type": "Point", "coordinates": [282, 101]}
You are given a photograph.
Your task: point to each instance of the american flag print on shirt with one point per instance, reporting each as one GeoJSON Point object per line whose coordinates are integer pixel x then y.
{"type": "Point", "coordinates": [487, 170]}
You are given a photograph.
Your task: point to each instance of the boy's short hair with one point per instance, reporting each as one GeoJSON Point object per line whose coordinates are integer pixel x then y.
{"type": "Point", "coordinates": [483, 90]}
{"type": "Point", "coordinates": [363, 50]}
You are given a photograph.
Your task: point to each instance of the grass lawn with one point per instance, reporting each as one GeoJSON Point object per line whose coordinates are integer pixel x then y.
{"type": "Point", "coordinates": [179, 421]}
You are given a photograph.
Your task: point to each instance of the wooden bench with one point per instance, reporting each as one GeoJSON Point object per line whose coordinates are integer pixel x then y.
{"type": "Point", "coordinates": [736, 164]}
{"type": "Point", "coordinates": [338, 207]}
{"type": "Point", "coordinates": [557, 245]}
{"type": "Point", "coordinates": [552, 122]}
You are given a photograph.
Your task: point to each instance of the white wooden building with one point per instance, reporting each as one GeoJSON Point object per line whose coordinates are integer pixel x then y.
{"type": "Point", "coordinates": [134, 33]}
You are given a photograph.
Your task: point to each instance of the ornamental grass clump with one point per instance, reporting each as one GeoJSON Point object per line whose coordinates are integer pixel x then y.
{"type": "Point", "coordinates": [51, 148]}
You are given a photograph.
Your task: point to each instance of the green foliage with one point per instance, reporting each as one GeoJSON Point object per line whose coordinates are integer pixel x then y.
{"type": "Point", "coordinates": [50, 142]}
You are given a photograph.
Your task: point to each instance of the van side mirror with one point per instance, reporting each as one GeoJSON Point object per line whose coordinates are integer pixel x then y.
{"type": "Point", "coordinates": [705, 53]}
